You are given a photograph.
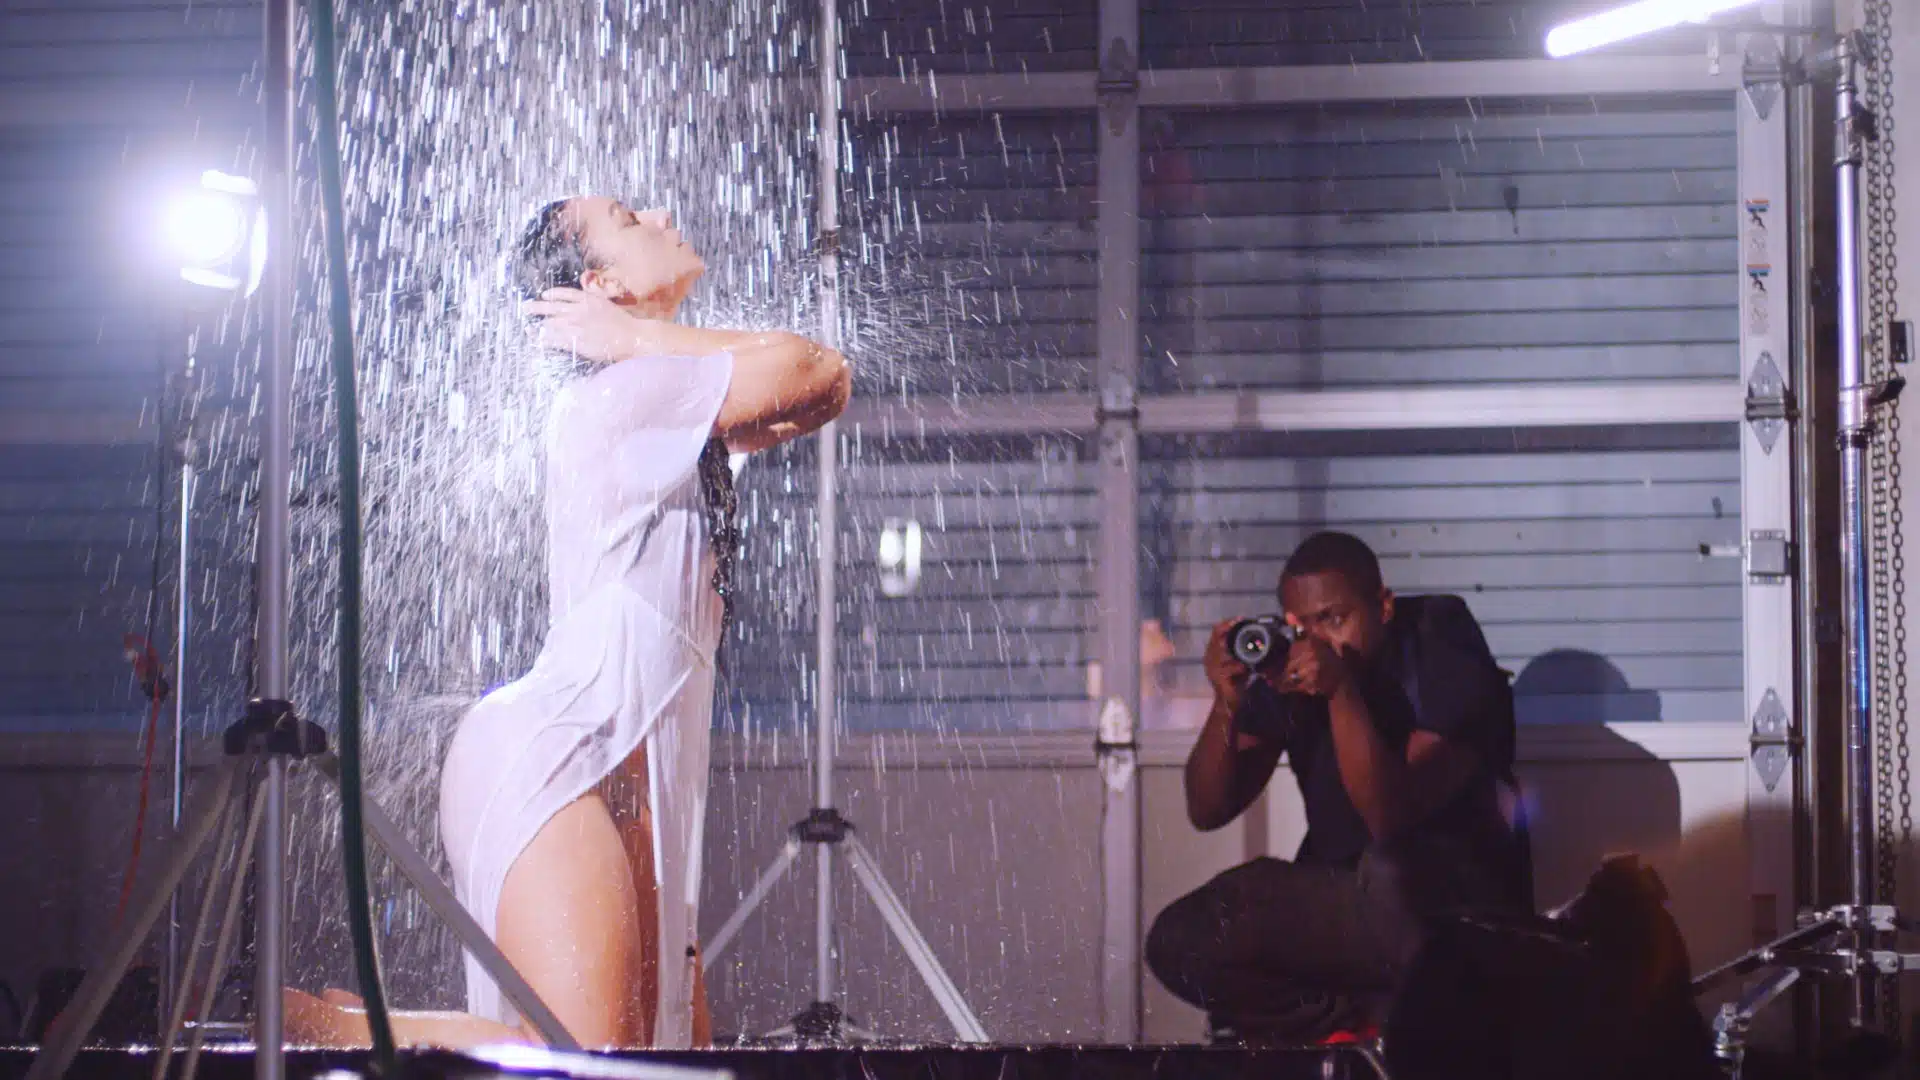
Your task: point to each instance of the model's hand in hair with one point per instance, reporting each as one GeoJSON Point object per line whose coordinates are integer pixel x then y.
{"type": "Point", "coordinates": [783, 386]}
{"type": "Point", "coordinates": [589, 326]}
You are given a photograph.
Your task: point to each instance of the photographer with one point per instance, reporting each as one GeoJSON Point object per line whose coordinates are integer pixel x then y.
{"type": "Point", "coordinates": [1398, 727]}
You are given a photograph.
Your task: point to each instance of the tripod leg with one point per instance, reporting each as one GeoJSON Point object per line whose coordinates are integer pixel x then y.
{"type": "Point", "coordinates": [731, 929]}
{"type": "Point", "coordinates": [190, 967]}
{"type": "Point", "coordinates": [64, 1039]}
{"type": "Point", "coordinates": [965, 1023]}
{"type": "Point", "coordinates": [1730, 1027]}
{"type": "Point", "coordinates": [455, 917]}
{"type": "Point", "coordinates": [227, 922]}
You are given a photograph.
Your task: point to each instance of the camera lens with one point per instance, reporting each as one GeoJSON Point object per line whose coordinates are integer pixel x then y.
{"type": "Point", "coordinates": [1252, 643]}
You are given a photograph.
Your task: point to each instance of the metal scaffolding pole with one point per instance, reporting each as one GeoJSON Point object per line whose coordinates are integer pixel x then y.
{"type": "Point", "coordinates": [1117, 613]}
{"type": "Point", "coordinates": [276, 452]}
{"type": "Point", "coordinates": [822, 1019]}
{"type": "Point", "coordinates": [826, 716]}
{"type": "Point", "coordinates": [1810, 439]}
{"type": "Point", "coordinates": [1856, 598]}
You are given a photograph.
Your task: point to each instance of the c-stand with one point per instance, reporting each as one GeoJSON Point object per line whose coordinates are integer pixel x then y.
{"type": "Point", "coordinates": [1849, 940]}
{"type": "Point", "coordinates": [233, 802]}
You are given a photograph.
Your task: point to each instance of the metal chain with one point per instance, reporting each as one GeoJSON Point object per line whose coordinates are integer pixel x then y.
{"type": "Point", "coordinates": [1893, 797]}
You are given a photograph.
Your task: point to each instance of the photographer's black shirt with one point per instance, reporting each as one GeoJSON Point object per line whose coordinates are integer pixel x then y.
{"type": "Point", "coordinates": [1464, 698]}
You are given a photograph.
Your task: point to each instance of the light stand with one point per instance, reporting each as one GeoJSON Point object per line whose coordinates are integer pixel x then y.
{"type": "Point", "coordinates": [270, 598]}
{"type": "Point", "coordinates": [227, 821]}
{"type": "Point", "coordinates": [240, 813]}
{"type": "Point", "coordinates": [181, 416]}
{"type": "Point", "coordinates": [1847, 940]}
{"type": "Point", "coordinates": [822, 1020]}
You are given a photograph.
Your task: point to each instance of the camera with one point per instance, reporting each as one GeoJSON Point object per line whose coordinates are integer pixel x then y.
{"type": "Point", "coordinates": [1255, 641]}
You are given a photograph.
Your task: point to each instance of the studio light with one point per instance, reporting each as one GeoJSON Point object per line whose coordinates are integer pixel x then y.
{"type": "Point", "coordinates": [1632, 21]}
{"type": "Point", "coordinates": [218, 231]}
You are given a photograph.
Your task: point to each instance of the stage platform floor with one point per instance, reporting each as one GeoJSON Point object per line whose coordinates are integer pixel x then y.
{"type": "Point", "coordinates": [865, 1063]}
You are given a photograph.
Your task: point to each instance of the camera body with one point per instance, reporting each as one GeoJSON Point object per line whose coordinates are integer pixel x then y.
{"type": "Point", "coordinates": [1258, 641]}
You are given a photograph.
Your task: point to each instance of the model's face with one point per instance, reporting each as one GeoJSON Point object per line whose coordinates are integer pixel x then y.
{"type": "Point", "coordinates": [640, 258]}
{"type": "Point", "coordinates": [1328, 607]}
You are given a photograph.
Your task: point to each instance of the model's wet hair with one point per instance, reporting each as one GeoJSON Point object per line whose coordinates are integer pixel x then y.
{"type": "Point", "coordinates": [552, 254]}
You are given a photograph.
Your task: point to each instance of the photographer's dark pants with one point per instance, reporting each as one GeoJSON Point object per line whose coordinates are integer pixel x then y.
{"type": "Point", "coordinates": [1284, 953]}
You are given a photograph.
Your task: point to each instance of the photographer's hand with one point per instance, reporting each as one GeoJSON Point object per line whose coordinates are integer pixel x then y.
{"type": "Point", "coordinates": [1227, 768]}
{"type": "Point", "coordinates": [1313, 668]}
{"type": "Point", "coordinates": [1227, 675]}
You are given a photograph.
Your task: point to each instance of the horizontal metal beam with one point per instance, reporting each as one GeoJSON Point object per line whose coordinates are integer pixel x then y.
{"type": "Point", "coordinates": [1671, 401]}
{"type": "Point", "coordinates": [101, 749]}
{"type": "Point", "coordinates": [1195, 88]}
{"type": "Point", "coordinates": [1587, 76]}
{"type": "Point", "coordinates": [1677, 401]}
{"type": "Point", "coordinates": [907, 751]}
{"type": "Point", "coordinates": [170, 105]}
{"type": "Point", "coordinates": [1171, 88]}
{"type": "Point", "coordinates": [1165, 747]}
{"type": "Point", "coordinates": [1667, 402]}
{"type": "Point", "coordinates": [907, 418]}
{"type": "Point", "coordinates": [29, 427]}
{"type": "Point", "coordinates": [933, 93]}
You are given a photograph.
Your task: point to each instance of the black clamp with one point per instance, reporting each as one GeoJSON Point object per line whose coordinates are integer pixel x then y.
{"type": "Point", "coordinates": [272, 725]}
{"type": "Point", "coordinates": [1899, 341]}
{"type": "Point", "coordinates": [823, 826]}
{"type": "Point", "coordinates": [819, 1022]}
{"type": "Point", "coordinates": [154, 686]}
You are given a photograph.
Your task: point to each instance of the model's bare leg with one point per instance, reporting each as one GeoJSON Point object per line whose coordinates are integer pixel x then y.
{"type": "Point", "coordinates": [626, 793]}
{"type": "Point", "coordinates": [345, 1012]}
{"type": "Point", "coordinates": [568, 922]}
{"type": "Point", "coordinates": [328, 1021]}
{"type": "Point", "coordinates": [702, 1011]}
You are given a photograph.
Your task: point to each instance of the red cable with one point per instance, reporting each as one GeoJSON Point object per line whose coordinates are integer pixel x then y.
{"type": "Point", "coordinates": [147, 667]}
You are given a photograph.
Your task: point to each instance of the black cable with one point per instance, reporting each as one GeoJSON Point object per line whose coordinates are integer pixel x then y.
{"type": "Point", "coordinates": [340, 320]}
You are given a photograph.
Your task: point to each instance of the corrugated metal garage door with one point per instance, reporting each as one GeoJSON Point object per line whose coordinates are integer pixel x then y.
{"type": "Point", "coordinates": [980, 230]}
{"type": "Point", "coordinates": [105, 107]}
{"type": "Point", "coordinates": [1580, 553]}
{"type": "Point", "coordinates": [1454, 244]}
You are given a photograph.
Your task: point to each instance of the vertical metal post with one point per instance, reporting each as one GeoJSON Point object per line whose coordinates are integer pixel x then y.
{"type": "Point", "coordinates": [1811, 479]}
{"type": "Point", "coordinates": [1766, 494]}
{"type": "Point", "coordinates": [182, 623]}
{"type": "Point", "coordinates": [276, 451]}
{"type": "Point", "coordinates": [827, 508]}
{"type": "Point", "coordinates": [1856, 427]}
{"type": "Point", "coordinates": [1801, 243]}
{"type": "Point", "coordinates": [1117, 371]}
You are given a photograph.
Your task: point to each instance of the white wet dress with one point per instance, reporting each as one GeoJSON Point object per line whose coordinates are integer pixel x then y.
{"type": "Point", "coordinates": [628, 659]}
